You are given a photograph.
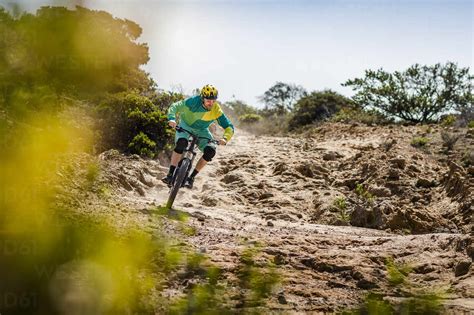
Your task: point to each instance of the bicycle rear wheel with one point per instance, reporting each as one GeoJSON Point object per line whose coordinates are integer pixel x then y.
{"type": "Point", "coordinates": [178, 182]}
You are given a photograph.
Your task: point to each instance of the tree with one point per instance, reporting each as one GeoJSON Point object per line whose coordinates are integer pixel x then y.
{"type": "Point", "coordinates": [419, 94]}
{"type": "Point", "coordinates": [280, 98]}
{"type": "Point", "coordinates": [316, 107]}
{"type": "Point", "coordinates": [77, 52]}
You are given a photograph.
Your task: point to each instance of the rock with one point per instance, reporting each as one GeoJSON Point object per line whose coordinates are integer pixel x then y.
{"type": "Point", "coordinates": [144, 180]}
{"type": "Point", "coordinates": [415, 197]}
{"type": "Point", "coordinates": [393, 174]}
{"type": "Point", "coordinates": [141, 191]}
{"type": "Point", "coordinates": [470, 170]}
{"type": "Point", "coordinates": [380, 191]}
{"type": "Point", "coordinates": [425, 183]}
{"type": "Point", "coordinates": [279, 168]}
{"type": "Point", "coordinates": [348, 182]}
{"type": "Point", "coordinates": [305, 169]}
{"type": "Point", "coordinates": [209, 201]}
{"type": "Point", "coordinates": [265, 195]}
{"type": "Point", "coordinates": [423, 268]}
{"type": "Point", "coordinates": [281, 298]}
{"type": "Point", "coordinates": [331, 156]}
{"type": "Point", "coordinates": [470, 251]}
{"type": "Point", "coordinates": [366, 284]}
{"type": "Point", "coordinates": [369, 218]}
{"type": "Point", "coordinates": [123, 182]}
{"type": "Point", "coordinates": [201, 217]}
{"type": "Point", "coordinates": [413, 168]}
{"type": "Point", "coordinates": [398, 162]}
{"type": "Point", "coordinates": [270, 223]}
{"type": "Point", "coordinates": [279, 259]}
{"type": "Point", "coordinates": [230, 178]}
{"type": "Point", "coordinates": [462, 268]}
{"type": "Point", "coordinates": [455, 182]}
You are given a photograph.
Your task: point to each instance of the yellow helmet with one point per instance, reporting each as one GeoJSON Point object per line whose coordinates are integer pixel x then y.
{"type": "Point", "coordinates": [209, 92]}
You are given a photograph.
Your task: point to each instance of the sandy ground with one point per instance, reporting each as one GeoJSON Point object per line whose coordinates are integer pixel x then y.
{"type": "Point", "coordinates": [280, 192]}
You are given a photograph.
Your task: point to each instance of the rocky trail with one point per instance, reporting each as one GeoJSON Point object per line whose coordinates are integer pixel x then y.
{"type": "Point", "coordinates": [330, 208]}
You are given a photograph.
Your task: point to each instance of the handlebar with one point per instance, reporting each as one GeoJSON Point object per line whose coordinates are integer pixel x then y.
{"type": "Point", "coordinates": [178, 128]}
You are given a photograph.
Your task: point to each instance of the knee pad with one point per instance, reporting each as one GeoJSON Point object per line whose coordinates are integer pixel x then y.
{"type": "Point", "coordinates": [181, 144]}
{"type": "Point", "coordinates": [209, 153]}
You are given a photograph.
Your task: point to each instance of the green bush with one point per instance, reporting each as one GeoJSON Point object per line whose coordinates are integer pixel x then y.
{"type": "Point", "coordinates": [419, 142]}
{"type": "Point", "coordinates": [70, 52]}
{"type": "Point", "coordinates": [250, 118]}
{"type": "Point", "coordinates": [363, 193]}
{"type": "Point", "coordinates": [142, 145]}
{"type": "Point", "coordinates": [448, 120]}
{"type": "Point", "coordinates": [396, 273]}
{"type": "Point", "coordinates": [368, 117]}
{"type": "Point", "coordinates": [132, 123]}
{"type": "Point", "coordinates": [317, 106]}
{"type": "Point", "coordinates": [471, 124]}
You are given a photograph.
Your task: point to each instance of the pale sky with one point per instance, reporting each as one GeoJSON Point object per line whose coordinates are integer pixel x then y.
{"type": "Point", "coordinates": [244, 47]}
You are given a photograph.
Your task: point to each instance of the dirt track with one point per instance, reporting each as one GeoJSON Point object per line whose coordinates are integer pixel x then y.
{"type": "Point", "coordinates": [274, 192]}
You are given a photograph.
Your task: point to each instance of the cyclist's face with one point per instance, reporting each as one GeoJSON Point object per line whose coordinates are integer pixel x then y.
{"type": "Point", "coordinates": [208, 103]}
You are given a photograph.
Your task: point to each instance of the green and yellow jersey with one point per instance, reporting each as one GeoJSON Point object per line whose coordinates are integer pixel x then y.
{"type": "Point", "coordinates": [192, 112]}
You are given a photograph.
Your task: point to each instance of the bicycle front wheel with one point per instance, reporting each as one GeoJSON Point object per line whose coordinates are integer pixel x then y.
{"type": "Point", "coordinates": [178, 182]}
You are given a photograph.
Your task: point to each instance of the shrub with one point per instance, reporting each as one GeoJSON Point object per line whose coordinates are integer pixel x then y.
{"type": "Point", "coordinates": [341, 206]}
{"type": "Point", "coordinates": [340, 203]}
{"type": "Point", "coordinates": [448, 120]}
{"type": "Point", "coordinates": [132, 123]}
{"type": "Point", "coordinates": [142, 145]}
{"type": "Point", "coordinates": [250, 118]}
{"type": "Point", "coordinates": [449, 139]}
{"type": "Point", "coordinates": [164, 99]}
{"type": "Point", "coordinates": [471, 124]}
{"type": "Point", "coordinates": [368, 117]}
{"type": "Point", "coordinates": [317, 106]}
{"type": "Point", "coordinates": [240, 108]}
{"type": "Point", "coordinates": [396, 273]}
{"type": "Point", "coordinates": [363, 193]}
{"type": "Point", "coordinates": [419, 142]}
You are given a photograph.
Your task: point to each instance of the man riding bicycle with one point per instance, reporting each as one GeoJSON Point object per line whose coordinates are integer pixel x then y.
{"type": "Point", "coordinates": [196, 114]}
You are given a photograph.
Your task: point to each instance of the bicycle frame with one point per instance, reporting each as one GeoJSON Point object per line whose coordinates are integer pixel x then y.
{"type": "Point", "coordinates": [181, 174]}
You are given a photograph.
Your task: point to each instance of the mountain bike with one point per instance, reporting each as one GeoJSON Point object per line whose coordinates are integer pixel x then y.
{"type": "Point", "coordinates": [184, 166]}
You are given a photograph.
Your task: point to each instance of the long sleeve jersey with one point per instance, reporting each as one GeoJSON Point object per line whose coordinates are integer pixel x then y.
{"type": "Point", "coordinates": [193, 113]}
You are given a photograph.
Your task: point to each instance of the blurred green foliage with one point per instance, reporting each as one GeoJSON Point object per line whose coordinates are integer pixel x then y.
{"type": "Point", "coordinates": [250, 118]}
{"type": "Point", "coordinates": [62, 72]}
{"type": "Point", "coordinates": [406, 297]}
{"type": "Point", "coordinates": [396, 273]}
{"type": "Point", "coordinates": [59, 57]}
{"type": "Point", "coordinates": [78, 52]}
